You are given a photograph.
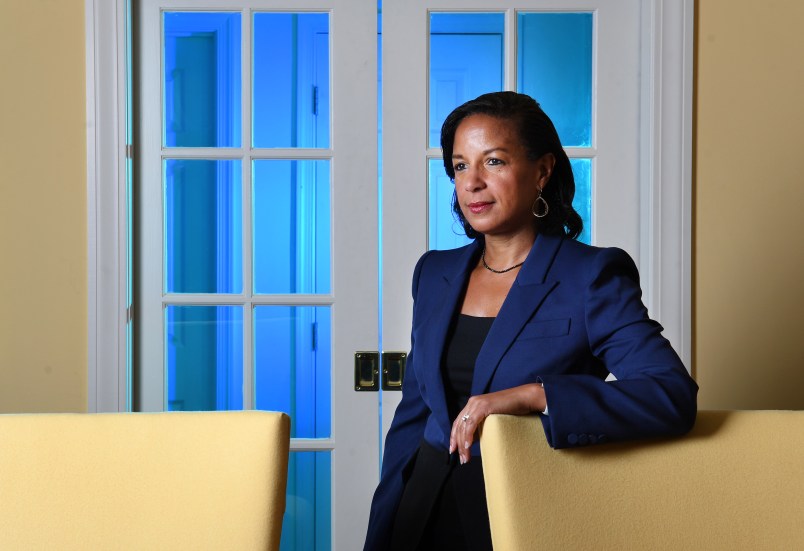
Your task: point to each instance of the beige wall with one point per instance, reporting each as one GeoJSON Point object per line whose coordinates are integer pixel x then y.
{"type": "Point", "coordinates": [43, 317]}
{"type": "Point", "coordinates": [749, 205]}
{"type": "Point", "coordinates": [749, 197]}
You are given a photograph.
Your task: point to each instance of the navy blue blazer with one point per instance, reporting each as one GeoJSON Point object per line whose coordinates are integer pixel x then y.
{"type": "Point", "coordinates": [573, 315]}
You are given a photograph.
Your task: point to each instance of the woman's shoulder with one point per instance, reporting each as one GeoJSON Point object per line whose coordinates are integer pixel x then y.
{"type": "Point", "coordinates": [444, 259]}
{"type": "Point", "coordinates": [446, 263]}
{"type": "Point", "coordinates": [588, 261]}
{"type": "Point", "coordinates": [582, 251]}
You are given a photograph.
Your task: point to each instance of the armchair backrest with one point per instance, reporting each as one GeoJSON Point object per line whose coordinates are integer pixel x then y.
{"type": "Point", "coordinates": [212, 480]}
{"type": "Point", "coordinates": [735, 482]}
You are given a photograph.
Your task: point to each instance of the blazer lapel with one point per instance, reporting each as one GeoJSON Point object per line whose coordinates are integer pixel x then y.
{"type": "Point", "coordinates": [453, 278]}
{"type": "Point", "coordinates": [526, 295]}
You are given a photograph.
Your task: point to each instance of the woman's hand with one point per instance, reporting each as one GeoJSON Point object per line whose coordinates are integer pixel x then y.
{"type": "Point", "coordinates": [519, 400]}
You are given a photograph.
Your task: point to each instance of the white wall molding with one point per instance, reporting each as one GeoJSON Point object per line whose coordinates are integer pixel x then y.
{"type": "Point", "coordinates": [106, 205]}
{"type": "Point", "coordinates": [666, 171]}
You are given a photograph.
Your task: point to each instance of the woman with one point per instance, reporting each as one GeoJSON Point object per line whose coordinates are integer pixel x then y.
{"type": "Point", "coordinates": [523, 320]}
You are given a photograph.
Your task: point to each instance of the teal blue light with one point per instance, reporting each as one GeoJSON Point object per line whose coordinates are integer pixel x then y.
{"type": "Point", "coordinates": [466, 60]}
{"type": "Point", "coordinates": [129, 209]}
{"type": "Point", "coordinates": [306, 525]}
{"type": "Point", "coordinates": [201, 86]}
{"type": "Point", "coordinates": [204, 357]}
{"type": "Point", "coordinates": [291, 229]}
{"type": "Point", "coordinates": [554, 66]}
{"type": "Point", "coordinates": [290, 74]}
{"type": "Point", "coordinates": [292, 366]}
{"type": "Point", "coordinates": [444, 231]}
{"type": "Point", "coordinates": [582, 203]}
{"type": "Point", "coordinates": [203, 226]}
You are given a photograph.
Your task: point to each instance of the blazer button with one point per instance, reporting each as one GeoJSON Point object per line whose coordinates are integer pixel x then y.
{"type": "Point", "coordinates": [592, 439]}
{"type": "Point", "coordinates": [583, 439]}
{"type": "Point", "coordinates": [572, 439]}
{"type": "Point", "coordinates": [602, 438]}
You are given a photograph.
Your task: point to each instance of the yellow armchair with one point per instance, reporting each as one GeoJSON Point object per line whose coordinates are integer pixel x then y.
{"type": "Point", "coordinates": [735, 482]}
{"type": "Point", "coordinates": [211, 480]}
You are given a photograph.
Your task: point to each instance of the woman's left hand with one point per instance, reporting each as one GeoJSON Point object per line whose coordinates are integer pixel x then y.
{"type": "Point", "coordinates": [519, 400]}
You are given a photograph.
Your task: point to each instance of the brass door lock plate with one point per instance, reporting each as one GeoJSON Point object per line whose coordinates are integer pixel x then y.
{"type": "Point", "coordinates": [393, 370]}
{"type": "Point", "coordinates": [367, 371]}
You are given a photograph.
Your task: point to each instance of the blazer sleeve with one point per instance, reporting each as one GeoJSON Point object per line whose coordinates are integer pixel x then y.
{"type": "Point", "coordinates": [401, 444]}
{"type": "Point", "coordinates": [653, 394]}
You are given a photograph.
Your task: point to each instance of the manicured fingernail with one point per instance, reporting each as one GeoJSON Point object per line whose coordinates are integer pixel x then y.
{"type": "Point", "coordinates": [466, 445]}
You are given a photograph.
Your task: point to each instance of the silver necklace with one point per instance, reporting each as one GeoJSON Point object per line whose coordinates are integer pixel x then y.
{"type": "Point", "coordinates": [489, 268]}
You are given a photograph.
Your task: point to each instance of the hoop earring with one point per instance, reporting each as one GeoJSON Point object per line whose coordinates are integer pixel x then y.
{"type": "Point", "coordinates": [545, 207]}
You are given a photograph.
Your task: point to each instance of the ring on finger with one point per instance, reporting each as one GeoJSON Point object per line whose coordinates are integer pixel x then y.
{"type": "Point", "coordinates": [465, 418]}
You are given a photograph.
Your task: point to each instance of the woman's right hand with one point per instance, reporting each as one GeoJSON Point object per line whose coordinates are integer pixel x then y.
{"type": "Point", "coordinates": [519, 400]}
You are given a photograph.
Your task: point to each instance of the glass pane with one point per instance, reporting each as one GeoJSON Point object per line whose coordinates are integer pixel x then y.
{"type": "Point", "coordinates": [291, 227]}
{"type": "Point", "coordinates": [203, 226]}
{"type": "Point", "coordinates": [292, 365]}
{"type": "Point", "coordinates": [291, 80]}
{"type": "Point", "coordinates": [466, 60]}
{"type": "Point", "coordinates": [204, 347]}
{"type": "Point", "coordinates": [582, 171]}
{"type": "Point", "coordinates": [446, 233]}
{"type": "Point", "coordinates": [444, 230]}
{"type": "Point", "coordinates": [554, 66]}
{"type": "Point", "coordinates": [202, 80]}
{"type": "Point", "coordinates": [306, 524]}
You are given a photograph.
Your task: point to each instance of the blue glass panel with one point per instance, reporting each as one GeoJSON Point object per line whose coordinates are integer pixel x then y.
{"type": "Point", "coordinates": [308, 512]}
{"type": "Point", "coordinates": [204, 349]}
{"type": "Point", "coordinates": [203, 226]}
{"type": "Point", "coordinates": [444, 230]}
{"type": "Point", "coordinates": [291, 80]}
{"type": "Point", "coordinates": [582, 171]}
{"type": "Point", "coordinates": [446, 233]}
{"type": "Point", "coordinates": [202, 91]}
{"type": "Point", "coordinates": [554, 66]}
{"type": "Point", "coordinates": [466, 60]}
{"type": "Point", "coordinates": [292, 365]}
{"type": "Point", "coordinates": [291, 203]}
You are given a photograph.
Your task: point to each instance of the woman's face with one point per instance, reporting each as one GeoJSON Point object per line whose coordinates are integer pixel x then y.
{"type": "Point", "coordinates": [495, 182]}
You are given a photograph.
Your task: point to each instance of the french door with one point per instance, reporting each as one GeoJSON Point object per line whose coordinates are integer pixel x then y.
{"type": "Point", "coordinates": [579, 58]}
{"type": "Point", "coordinates": [256, 241]}
{"type": "Point", "coordinates": [267, 257]}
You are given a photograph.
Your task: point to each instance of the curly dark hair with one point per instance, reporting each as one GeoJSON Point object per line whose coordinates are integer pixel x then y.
{"type": "Point", "coordinates": [539, 137]}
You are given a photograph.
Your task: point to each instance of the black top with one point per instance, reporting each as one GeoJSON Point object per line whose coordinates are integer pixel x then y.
{"type": "Point", "coordinates": [464, 340]}
{"type": "Point", "coordinates": [443, 505]}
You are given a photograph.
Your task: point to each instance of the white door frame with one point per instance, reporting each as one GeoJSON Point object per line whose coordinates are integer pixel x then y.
{"type": "Point", "coordinates": [107, 211]}
{"type": "Point", "coordinates": [668, 29]}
